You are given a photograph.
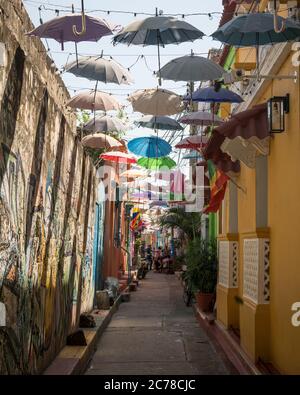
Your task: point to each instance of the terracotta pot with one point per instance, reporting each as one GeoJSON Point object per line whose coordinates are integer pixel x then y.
{"type": "Point", "coordinates": [204, 301]}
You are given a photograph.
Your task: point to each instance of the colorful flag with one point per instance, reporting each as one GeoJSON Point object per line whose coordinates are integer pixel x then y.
{"type": "Point", "coordinates": [218, 183]}
{"type": "Point", "coordinates": [136, 219]}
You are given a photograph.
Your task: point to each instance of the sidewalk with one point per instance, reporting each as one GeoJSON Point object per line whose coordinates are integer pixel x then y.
{"type": "Point", "coordinates": [155, 333]}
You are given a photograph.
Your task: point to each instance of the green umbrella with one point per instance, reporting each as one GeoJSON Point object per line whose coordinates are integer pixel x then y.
{"type": "Point", "coordinates": [157, 163]}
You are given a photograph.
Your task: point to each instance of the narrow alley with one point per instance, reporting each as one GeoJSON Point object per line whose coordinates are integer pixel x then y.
{"type": "Point", "coordinates": [155, 334]}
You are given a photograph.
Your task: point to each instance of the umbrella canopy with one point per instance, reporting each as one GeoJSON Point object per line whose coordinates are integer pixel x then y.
{"type": "Point", "coordinates": [91, 100]}
{"type": "Point", "coordinates": [156, 102]}
{"type": "Point", "coordinates": [143, 195]}
{"type": "Point", "coordinates": [256, 29]}
{"type": "Point", "coordinates": [100, 140]}
{"type": "Point", "coordinates": [150, 147]}
{"type": "Point", "coordinates": [97, 68]}
{"type": "Point", "coordinates": [105, 124]}
{"type": "Point", "coordinates": [158, 30]}
{"type": "Point", "coordinates": [158, 203]}
{"type": "Point", "coordinates": [210, 95]}
{"type": "Point", "coordinates": [192, 155]}
{"type": "Point", "coordinates": [133, 173]}
{"type": "Point", "coordinates": [157, 163]}
{"type": "Point", "coordinates": [192, 142]}
{"type": "Point", "coordinates": [61, 29]}
{"type": "Point", "coordinates": [201, 118]}
{"type": "Point", "coordinates": [191, 68]}
{"type": "Point", "coordinates": [118, 157]}
{"type": "Point", "coordinates": [159, 122]}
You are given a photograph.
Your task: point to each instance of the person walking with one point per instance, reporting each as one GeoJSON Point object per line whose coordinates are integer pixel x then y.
{"type": "Point", "coordinates": [149, 257]}
{"type": "Point", "coordinates": [157, 258]}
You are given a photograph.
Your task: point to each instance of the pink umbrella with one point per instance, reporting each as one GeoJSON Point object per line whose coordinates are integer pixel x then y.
{"type": "Point", "coordinates": [118, 157]}
{"type": "Point", "coordinates": [193, 142]}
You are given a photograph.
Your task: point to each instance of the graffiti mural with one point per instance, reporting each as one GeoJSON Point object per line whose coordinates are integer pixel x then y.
{"type": "Point", "coordinates": [46, 234]}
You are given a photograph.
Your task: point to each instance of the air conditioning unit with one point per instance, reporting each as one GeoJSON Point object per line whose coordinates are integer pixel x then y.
{"type": "Point", "coordinates": [233, 76]}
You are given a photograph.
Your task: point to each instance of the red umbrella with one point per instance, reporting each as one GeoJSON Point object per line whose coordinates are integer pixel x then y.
{"type": "Point", "coordinates": [118, 157]}
{"type": "Point", "coordinates": [193, 142]}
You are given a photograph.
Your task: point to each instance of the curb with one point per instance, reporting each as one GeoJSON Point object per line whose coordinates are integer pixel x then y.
{"type": "Point", "coordinates": [73, 360]}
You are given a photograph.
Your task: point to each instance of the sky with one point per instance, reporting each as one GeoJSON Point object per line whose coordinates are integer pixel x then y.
{"type": "Point", "coordinates": [127, 56]}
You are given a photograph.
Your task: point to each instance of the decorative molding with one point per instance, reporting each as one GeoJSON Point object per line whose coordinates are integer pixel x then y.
{"type": "Point", "coordinates": [228, 264]}
{"type": "Point", "coordinates": [256, 270]}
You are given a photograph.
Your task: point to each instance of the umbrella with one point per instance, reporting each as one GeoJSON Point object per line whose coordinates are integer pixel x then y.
{"type": "Point", "coordinates": [118, 157]}
{"type": "Point", "coordinates": [191, 68]}
{"type": "Point", "coordinates": [192, 155]}
{"type": "Point", "coordinates": [159, 31]}
{"type": "Point", "coordinates": [133, 173]}
{"type": "Point", "coordinates": [157, 163]}
{"type": "Point", "coordinates": [105, 124]}
{"type": "Point", "coordinates": [64, 28]}
{"type": "Point", "coordinates": [97, 68]}
{"type": "Point", "coordinates": [156, 102]}
{"type": "Point", "coordinates": [143, 195]}
{"type": "Point", "coordinates": [192, 142]}
{"type": "Point", "coordinates": [61, 29]}
{"type": "Point", "coordinates": [256, 29]}
{"type": "Point", "coordinates": [210, 95]}
{"type": "Point", "coordinates": [158, 203]}
{"type": "Point", "coordinates": [151, 147]}
{"type": "Point", "coordinates": [201, 118]}
{"type": "Point", "coordinates": [160, 122]}
{"type": "Point", "coordinates": [90, 100]}
{"type": "Point", "coordinates": [100, 140]}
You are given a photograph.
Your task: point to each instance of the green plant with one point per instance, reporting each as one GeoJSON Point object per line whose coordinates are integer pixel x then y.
{"type": "Point", "coordinates": [202, 264]}
{"type": "Point", "coordinates": [189, 223]}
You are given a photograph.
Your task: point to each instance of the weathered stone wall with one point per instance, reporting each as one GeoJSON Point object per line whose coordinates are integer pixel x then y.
{"type": "Point", "coordinates": [47, 199]}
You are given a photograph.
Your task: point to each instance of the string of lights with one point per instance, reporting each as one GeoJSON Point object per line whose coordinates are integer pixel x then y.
{"type": "Point", "coordinates": [67, 9]}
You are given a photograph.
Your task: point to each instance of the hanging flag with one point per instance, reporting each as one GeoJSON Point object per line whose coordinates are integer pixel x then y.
{"type": "Point", "coordinates": [218, 183]}
{"type": "Point", "coordinates": [136, 219]}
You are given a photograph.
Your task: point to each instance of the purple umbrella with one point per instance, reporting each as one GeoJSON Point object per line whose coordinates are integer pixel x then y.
{"type": "Point", "coordinates": [61, 29]}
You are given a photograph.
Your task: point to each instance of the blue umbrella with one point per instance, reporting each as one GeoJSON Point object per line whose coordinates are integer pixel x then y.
{"type": "Point", "coordinates": [149, 147]}
{"type": "Point", "coordinates": [210, 95]}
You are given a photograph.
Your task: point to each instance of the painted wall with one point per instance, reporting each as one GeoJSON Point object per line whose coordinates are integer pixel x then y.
{"type": "Point", "coordinates": [266, 330]}
{"type": "Point", "coordinates": [47, 200]}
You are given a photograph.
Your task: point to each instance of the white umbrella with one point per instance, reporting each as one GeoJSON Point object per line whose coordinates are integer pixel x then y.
{"type": "Point", "coordinates": [156, 102]}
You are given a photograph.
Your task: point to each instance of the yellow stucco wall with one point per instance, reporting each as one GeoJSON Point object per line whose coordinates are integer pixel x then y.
{"type": "Point", "coordinates": [266, 331]}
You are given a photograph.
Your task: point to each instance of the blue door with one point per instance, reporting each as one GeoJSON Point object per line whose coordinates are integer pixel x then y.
{"type": "Point", "coordinates": [98, 243]}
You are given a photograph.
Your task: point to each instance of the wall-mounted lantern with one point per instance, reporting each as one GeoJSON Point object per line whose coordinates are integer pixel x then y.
{"type": "Point", "coordinates": [278, 106]}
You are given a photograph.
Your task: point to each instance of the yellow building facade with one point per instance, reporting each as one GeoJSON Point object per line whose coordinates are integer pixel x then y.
{"type": "Point", "coordinates": [259, 240]}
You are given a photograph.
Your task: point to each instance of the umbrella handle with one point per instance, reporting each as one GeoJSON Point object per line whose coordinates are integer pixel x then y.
{"type": "Point", "coordinates": [276, 28]}
{"type": "Point", "coordinates": [83, 22]}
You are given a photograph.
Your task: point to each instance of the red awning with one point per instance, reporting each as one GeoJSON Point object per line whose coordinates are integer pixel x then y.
{"type": "Point", "coordinates": [221, 159]}
{"type": "Point", "coordinates": [247, 124]}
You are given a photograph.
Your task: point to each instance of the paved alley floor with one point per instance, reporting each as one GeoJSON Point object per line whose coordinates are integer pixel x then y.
{"type": "Point", "coordinates": [155, 333]}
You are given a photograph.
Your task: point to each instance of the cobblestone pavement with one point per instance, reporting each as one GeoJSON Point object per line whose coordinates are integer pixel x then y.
{"type": "Point", "coordinates": [155, 334]}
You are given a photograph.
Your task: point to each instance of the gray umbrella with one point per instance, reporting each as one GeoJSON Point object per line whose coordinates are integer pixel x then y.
{"type": "Point", "coordinates": [97, 68]}
{"type": "Point", "coordinates": [256, 29]}
{"type": "Point", "coordinates": [159, 122]}
{"type": "Point", "coordinates": [191, 68]}
{"type": "Point", "coordinates": [159, 31]}
{"type": "Point", "coordinates": [105, 124]}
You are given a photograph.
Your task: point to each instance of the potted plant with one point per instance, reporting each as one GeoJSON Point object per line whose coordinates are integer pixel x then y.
{"type": "Point", "coordinates": [202, 265]}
